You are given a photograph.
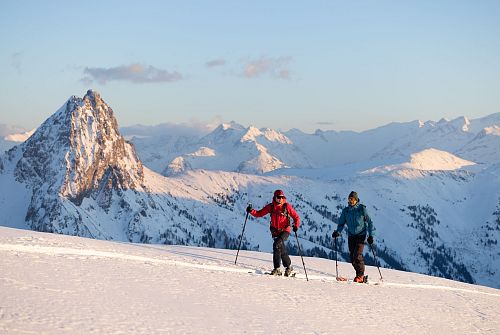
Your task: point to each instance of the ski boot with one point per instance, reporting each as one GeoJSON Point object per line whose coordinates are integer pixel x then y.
{"type": "Point", "coordinates": [288, 271]}
{"type": "Point", "coordinates": [358, 279]}
{"type": "Point", "coordinates": [361, 279]}
{"type": "Point", "coordinates": [276, 272]}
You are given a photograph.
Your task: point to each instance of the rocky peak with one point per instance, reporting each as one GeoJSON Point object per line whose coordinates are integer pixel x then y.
{"type": "Point", "coordinates": [224, 133]}
{"type": "Point", "coordinates": [79, 151]}
{"type": "Point", "coordinates": [93, 99]}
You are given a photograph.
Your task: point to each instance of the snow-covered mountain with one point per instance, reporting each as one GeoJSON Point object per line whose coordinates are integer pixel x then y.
{"type": "Point", "coordinates": [230, 147]}
{"type": "Point", "coordinates": [233, 147]}
{"type": "Point", "coordinates": [394, 143]}
{"type": "Point", "coordinates": [429, 160]}
{"type": "Point", "coordinates": [54, 284]}
{"type": "Point", "coordinates": [74, 155]}
{"type": "Point", "coordinates": [432, 192]}
{"type": "Point", "coordinates": [77, 175]}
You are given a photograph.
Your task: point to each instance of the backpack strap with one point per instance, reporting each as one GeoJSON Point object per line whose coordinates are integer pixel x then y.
{"type": "Point", "coordinates": [284, 211]}
{"type": "Point", "coordinates": [284, 208]}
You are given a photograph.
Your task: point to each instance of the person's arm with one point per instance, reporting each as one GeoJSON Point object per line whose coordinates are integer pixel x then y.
{"type": "Point", "coordinates": [340, 225]}
{"type": "Point", "coordinates": [371, 229]}
{"type": "Point", "coordinates": [342, 221]}
{"type": "Point", "coordinates": [295, 216]}
{"type": "Point", "coordinates": [262, 212]}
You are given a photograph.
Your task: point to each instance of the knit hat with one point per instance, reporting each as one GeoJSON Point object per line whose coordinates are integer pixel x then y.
{"type": "Point", "coordinates": [353, 195]}
{"type": "Point", "coordinates": [279, 193]}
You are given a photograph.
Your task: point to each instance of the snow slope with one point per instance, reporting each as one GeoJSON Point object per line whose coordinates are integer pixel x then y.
{"type": "Point", "coordinates": [251, 150]}
{"type": "Point", "coordinates": [436, 212]}
{"type": "Point", "coordinates": [229, 147]}
{"type": "Point", "coordinates": [55, 284]}
{"type": "Point", "coordinates": [429, 160]}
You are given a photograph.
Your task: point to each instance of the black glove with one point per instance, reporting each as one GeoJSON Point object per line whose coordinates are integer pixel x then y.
{"type": "Point", "coordinates": [295, 229]}
{"type": "Point", "coordinates": [335, 234]}
{"type": "Point", "coordinates": [370, 240]}
{"type": "Point", "coordinates": [249, 208]}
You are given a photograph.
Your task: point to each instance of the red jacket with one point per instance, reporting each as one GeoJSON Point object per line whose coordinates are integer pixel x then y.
{"type": "Point", "coordinates": [279, 221]}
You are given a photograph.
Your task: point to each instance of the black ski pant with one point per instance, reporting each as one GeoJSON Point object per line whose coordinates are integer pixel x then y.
{"type": "Point", "coordinates": [279, 250]}
{"type": "Point", "coordinates": [356, 245]}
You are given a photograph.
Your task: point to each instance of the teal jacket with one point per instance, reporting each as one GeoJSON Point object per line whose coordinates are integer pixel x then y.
{"type": "Point", "coordinates": [357, 219]}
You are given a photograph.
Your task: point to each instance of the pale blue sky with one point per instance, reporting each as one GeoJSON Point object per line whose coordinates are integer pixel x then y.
{"type": "Point", "coordinates": [343, 65]}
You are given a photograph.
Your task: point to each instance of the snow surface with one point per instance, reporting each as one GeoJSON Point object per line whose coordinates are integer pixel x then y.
{"type": "Point", "coordinates": [429, 160]}
{"type": "Point", "coordinates": [259, 150]}
{"type": "Point", "coordinates": [434, 213]}
{"type": "Point", "coordinates": [433, 159]}
{"type": "Point", "coordinates": [56, 284]}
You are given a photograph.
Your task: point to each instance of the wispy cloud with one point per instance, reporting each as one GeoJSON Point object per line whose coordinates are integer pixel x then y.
{"type": "Point", "coordinates": [135, 73]}
{"type": "Point", "coordinates": [325, 123]}
{"type": "Point", "coordinates": [16, 61]}
{"type": "Point", "coordinates": [274, 67]}
{"type": "Point", "coordinates": [191, 128]}
{"type": "Point", "coordinates": [215, 62]}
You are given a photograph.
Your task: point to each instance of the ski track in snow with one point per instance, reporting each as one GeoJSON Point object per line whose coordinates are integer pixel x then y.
{"type": "Point", "coordinates": [54, 284]}
{"type": "Point", "coordinates": [37, 249]}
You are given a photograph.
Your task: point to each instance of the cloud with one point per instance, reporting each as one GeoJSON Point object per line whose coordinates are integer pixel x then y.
{"type": "Point", "coordinates": [274, 67]}
{"type": "Point", "coordinates": [215, 62]}
{"type": "Point", "coordinates": [135, 73]}
{"type": "Point", "coordinates": [16, 61]}
{"type": "Point", "coordinates": [196, 128]}
{"type": "Point", "coordinates": [7, 129]}
{"type": "Point", "coordinates": [325, 123]}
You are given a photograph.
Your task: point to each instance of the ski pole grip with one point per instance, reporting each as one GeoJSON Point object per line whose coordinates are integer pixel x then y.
{"type": "Point", "coordinates": [249, 208]}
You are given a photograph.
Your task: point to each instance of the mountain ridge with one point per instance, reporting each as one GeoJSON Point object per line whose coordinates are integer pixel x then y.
{"type": "Point", "coordinates": [390, 144]}
{"type": "Point", "coordinates": [77, 175]}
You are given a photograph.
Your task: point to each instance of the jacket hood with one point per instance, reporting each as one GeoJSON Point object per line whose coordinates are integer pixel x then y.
{"type": "Point", "coordinates": [279, 193]}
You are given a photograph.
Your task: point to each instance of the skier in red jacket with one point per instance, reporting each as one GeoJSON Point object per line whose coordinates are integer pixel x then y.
{"type": "Point", "coordinates": [280, 212]}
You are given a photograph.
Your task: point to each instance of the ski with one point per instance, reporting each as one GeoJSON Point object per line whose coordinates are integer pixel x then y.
{"type": "Point", "coordinates": [351, 281]}
{"type": "Point", "coordinates": [281, 275]}
{"type": "Point", "coordinates": [344, 279]}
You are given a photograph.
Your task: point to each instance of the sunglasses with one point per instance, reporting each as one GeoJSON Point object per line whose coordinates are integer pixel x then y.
{"type": "Point", "coordinates": [280, 197]}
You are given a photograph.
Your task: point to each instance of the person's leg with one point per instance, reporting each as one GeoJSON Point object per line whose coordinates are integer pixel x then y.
{"type": "Point", "coordinates": [284, 252]}
{"type": "Point", "coordinates": [277, 252]}
{"type": "Point", "coordinates": [280, 252]}
{"type": "Point", "coordinates": [351, 243]}
{"type": "Point", "coordinates": [357, 259]}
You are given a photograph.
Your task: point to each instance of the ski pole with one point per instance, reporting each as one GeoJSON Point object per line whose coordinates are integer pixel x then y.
{"type": "Point", "coordinates": [241, 237]}
{"type": "Point", "coordinates": [336, 264]}
{"type": "Point", "coordinates": [300, 253]}
{"type": "Point", "coordinates": [376, 261]}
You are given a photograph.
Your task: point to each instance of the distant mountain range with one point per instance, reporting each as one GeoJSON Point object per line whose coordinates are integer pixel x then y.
{"type": "Point", "coordinates": [232, 147]}
{"type": "Point", "coordinates": [432, 188]}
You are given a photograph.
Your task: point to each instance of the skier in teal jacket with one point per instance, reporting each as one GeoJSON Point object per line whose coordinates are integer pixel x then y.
{"type": "Point", "coordinates": [359, 224]}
